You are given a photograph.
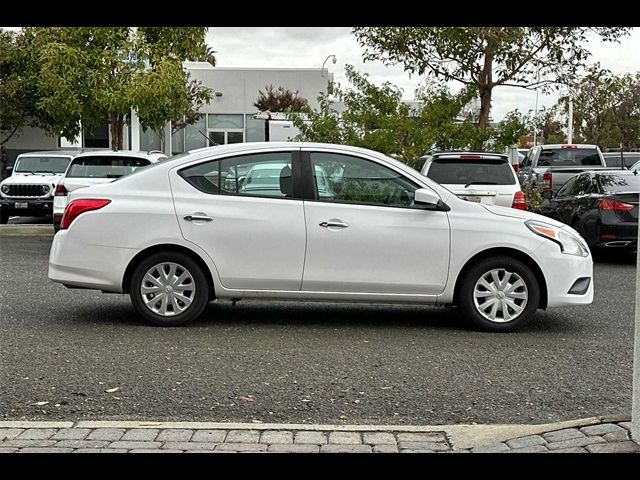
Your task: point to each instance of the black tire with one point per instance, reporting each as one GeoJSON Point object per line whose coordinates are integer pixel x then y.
{"type": "Point", "coordinates": [200, 294]}
{"type": "Point", "coordinates": [4, 216]}
{"type": "Point", "coordinates": [501, 263]}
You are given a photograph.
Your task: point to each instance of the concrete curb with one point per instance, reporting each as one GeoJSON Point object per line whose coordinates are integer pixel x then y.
{"type": "Point", "coordinates": [26, 231]}
{"type": "Point", "coordinates": [459, 436]}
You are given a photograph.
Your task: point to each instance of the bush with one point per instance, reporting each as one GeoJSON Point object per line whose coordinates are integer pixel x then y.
{"type": "Point", "coordinates": [532, 197]}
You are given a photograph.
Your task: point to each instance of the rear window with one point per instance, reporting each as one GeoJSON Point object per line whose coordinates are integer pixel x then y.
{"type": "Point", "coordinates": [42, 164]}
{"type": "Point", "coordinates": [568, 157]}
{"type": "Point", "coordinates": [105, 167]}
{"type": "Point", "coordinates": [478, 172]}
{"type": "Point", "coordinates": [613, 159]}
{"type": "Point", "coordinates": [619, 183]}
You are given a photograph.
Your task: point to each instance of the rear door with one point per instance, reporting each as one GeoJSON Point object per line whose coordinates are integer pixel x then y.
{"type": "Point", "coordinates": [256, 237]}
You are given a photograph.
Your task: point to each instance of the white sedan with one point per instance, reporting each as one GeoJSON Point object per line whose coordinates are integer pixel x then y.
{"type": "Point", "coordinates": [183, 232]}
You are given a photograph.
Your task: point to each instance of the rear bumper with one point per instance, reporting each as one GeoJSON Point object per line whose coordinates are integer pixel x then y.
{"type": "Point", "coordinates": [39, 207]}
{"type": "Point", "coordinates": [618, 236]}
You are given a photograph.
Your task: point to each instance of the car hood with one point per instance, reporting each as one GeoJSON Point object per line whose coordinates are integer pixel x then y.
{"type": "Point", "coordinates": [22, 179]}
{"type": "Point", "coordinates": [521, 214]}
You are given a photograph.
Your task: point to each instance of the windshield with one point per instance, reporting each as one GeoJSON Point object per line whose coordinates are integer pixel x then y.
{"type": "Point", "coordinates": [612, 183]}
{"type": "Point", "coordinates": [476, 172]}
{"type": "Point", "coordinates": [42, 164]}
{"type": "Point", "coordinates": [568, 157]}
{"type": "Point", "coordinates": [105, 166]}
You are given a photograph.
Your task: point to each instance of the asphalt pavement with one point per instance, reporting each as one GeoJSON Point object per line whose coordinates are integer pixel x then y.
{"type": "Point", "coordinates": [89, 357]}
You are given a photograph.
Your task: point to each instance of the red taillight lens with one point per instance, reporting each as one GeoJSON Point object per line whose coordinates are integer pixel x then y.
{"type": "Point", "coordinates": [546, 178]}
{"type": "Point", "coordinates": [568, 147]}
{"type": "Point", "coordinates": [516, 167]}
{"type": "Point", "coordinates": [519, 201]}
{"type": "Point", "coordinates": [470, 157]}
{"type": "Point", "coordinates": [608, 204]}
{"type": "Point", "coordinates": [61, 191]}
{"type": "Point", "coordinates": [78, 207]}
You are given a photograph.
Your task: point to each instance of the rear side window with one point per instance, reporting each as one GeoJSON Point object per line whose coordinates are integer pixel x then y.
{"type": "Point", "coordinates": [612, 183]}
{"type": "Point", "coordinates": [459, 172]}
{"type": "Point", "coordinates": [613, 159]}
{"type": "Point", "coordinates": [568, 157]}
{"type": "Point", "coordinates": [105, 166]}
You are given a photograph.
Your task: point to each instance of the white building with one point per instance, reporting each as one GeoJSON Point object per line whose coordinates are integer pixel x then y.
{"type": "Point", "coordinates": [229, 117]}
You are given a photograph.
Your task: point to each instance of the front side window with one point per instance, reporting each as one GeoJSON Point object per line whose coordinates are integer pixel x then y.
{"type": "Point", "coordinates": [263, 175]}
{"type": "Point", "coordinates": [346, 179]}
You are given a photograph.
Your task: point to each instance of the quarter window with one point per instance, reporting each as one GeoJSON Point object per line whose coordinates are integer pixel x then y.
{"type": "Point", "coordinates": [346, 179]}
{"type": "Point", "coordinates": [261, 175]}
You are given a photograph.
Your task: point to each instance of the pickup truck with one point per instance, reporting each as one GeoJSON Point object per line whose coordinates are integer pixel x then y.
{"type": "Point", "coordinates": [550, 166]}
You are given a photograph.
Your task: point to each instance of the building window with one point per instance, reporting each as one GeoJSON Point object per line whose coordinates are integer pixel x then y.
{"type": "Point", "coordinates": [177, 142]}
{"type": "Point", "coordinates": [222, 136]}
{"type": "Point", "coordinates": [225, 120]}
{"type": "Point", "coordinates": [150, 140]}
{"type": "Point", "coordinates": [195, 136]}
{"type": "Point", "coordinates": [255, 129]}
{"type": "Point", "coordinates": [98, 137]}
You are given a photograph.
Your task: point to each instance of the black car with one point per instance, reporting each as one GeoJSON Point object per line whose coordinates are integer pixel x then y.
{"type": "Point", "coordinates": [601, 205]}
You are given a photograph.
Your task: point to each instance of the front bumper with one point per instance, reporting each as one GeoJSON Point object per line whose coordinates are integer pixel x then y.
{"type": "Point", "coordinates": [561, 271]}
{"type": "Point", "coordinates": [34, 207]}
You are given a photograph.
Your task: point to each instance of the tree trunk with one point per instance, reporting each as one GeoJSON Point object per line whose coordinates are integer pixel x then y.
{"type": "Point", "coordinates": [485, 85]}
{"type": "Point", "coordinates": [485, 106]}
{"type": "Point", "coordinates": [116, 127]}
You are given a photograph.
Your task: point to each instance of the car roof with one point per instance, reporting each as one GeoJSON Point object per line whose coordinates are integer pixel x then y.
{"type": "Point", "coordinates": [154, 155]}
{"type": "Point", "coordinates": [572, 145]}
{"type": "Point", "coordinates": [50, 153]}
{"type": "Point", "coordinates": [617, 171]}
{"type": "Point", "coordinates": [458, 155]}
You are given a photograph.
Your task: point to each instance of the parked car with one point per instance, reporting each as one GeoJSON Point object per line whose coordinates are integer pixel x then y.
{"type": "Point", "coordinates": [92, 168]}
{"type": "Point", "coordinates": [477, 177]}
{"type": "Point", "coordinates": [174, 238]}
{"type": "Point", "coordinates": [29, 190]}
{"type": "Point", "coordinates": [552, 165]}
{"type": "Point", "coordinates": [612, 159]}
{"type": "Point", "coordinates": [601, 205]}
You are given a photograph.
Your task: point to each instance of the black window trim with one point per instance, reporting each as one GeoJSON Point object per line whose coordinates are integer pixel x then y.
{"type": "Point", "coordinates": [310, 187]}
{"type": "Point", "coordinates": [295, 172]}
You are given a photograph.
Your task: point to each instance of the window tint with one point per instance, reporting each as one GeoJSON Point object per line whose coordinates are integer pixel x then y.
{"type": "Point", "coordinates": [566, 188]}
{"type": "Point", "coordinates": [582, 185]}
{"type": "Point", "coordinates": [568, 157]}
{"type": "Point", "coordinates": [462, 172]}
{"type": "Point", "coordinates": [105, 166]}
{"type": "Point", "coordinates": [612, 183]}
{"type": "Point", "coordinates": [342, 178]}
{"type": "Point", "coordinates": [264, 175]}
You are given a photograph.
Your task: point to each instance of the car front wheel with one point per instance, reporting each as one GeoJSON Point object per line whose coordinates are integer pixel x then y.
{"type": "Point", "coordinates": [499, 294]}
{"type": "Point", "coordinates": [169, 289]}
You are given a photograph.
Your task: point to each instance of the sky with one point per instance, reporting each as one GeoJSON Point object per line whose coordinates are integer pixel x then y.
{"type": "Point", "coordinates": [308, 47]}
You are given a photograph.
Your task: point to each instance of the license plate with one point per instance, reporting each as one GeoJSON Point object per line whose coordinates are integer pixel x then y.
{"type": "Point", "coordinates": [472, 199]}
{"type": "Point", "coordinates": [22, 205]}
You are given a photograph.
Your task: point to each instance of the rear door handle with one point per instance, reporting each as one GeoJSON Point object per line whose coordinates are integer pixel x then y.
{"type": "Point", "coordinates": [197, 218]}
{"type": "Point", "coordinates": [334, 224]}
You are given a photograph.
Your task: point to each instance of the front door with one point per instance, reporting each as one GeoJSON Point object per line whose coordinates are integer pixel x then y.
{"type": "Point", "coordinates": [243, 212]}
{"type": "Point", "coordinates": [364, 235]}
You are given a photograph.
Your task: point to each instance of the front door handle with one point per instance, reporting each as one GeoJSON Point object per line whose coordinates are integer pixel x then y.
{"type": "Point", "coordinates": [197, 218]}
{"type": "Point", "coordinates": [334, 224]}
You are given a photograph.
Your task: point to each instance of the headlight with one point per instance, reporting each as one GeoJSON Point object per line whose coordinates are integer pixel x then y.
{"type": "Point", "coordinates": [569, 243]}
{"type": "Point", "coordinates": [46, 189]}
{"type": "Point", "coordinates": [5, 189]}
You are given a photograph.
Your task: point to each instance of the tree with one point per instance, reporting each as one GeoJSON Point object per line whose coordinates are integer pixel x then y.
{"type": "Point", "coordinates": [375, 117]}
{"type": "Point", "coordinates": [18, 87]}
{"type": "Point", "coordinates": [90, 74]}
{"type": "Point", "coordinates": [606, 109]}
{"type": "Point", "coordinates": [486, 57]}
{"type": "Point", "coordinates": [279, 100]}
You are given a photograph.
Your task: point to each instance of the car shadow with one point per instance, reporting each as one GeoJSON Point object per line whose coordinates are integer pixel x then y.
{"type": "Point", "coordinates": [615, 257]}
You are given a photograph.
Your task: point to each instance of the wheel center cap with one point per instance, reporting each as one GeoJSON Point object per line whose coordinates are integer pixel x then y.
{"type": "Point", "coordinates": [168, 289]}
{"type": "Point", "coordinates": [501, 295]}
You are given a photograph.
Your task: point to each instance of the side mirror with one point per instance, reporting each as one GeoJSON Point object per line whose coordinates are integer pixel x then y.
{"type": "Point", "coordinates": [426, 198]}
{"type": "Point", "coordinates": [548, 194]}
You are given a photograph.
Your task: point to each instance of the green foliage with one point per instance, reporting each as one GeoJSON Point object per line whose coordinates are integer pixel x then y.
{"type": "Point", "coordinates": [486, 57]}
{"type": "Point", "coordinates": [279, 100]}
{"type": "Point", "coordinates": [89, 74]}
{"type": "Point", "coordinates": [606, 109]}
{"type": "Point", "coordinates": [532, 196]}
{"type": "Point", "coordinates": [19, 72]}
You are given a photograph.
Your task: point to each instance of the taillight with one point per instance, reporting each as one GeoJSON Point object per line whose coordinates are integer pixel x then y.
{"type": "Point", "coordinates": [546, 178]}
{"type": "Point", "coordinates": [608, 204]}
{"type": "Point", "coordinates": [516, 167]}
{"type": "Point", "coordinates": [80, 206]}
{"type": "Point", "coordinates": [60, 190]}
{"type": "Point", "coordinates": [518, 201]}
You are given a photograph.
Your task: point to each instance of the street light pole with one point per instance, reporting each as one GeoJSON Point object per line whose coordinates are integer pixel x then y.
{"type": "Point", "coordinates": [570, 126]}
{"type": "Point", "coordinates": [325, 61]}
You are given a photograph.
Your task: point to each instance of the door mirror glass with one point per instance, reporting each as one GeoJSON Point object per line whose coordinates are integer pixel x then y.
{"type": "Point", "coordinates": [425, 197]}
{"type": "Point", "coordinates": [548, 194]}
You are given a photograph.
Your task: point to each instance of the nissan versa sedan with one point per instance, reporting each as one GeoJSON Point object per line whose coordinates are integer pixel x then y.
{"type": "Point", "coordinates": [183, 232]}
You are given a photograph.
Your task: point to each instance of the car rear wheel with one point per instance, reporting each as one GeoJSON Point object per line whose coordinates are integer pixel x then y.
{"type": "Point", "coordinates": [169, 289]}
{"type": "Point", "coordinates": [499, 294]}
